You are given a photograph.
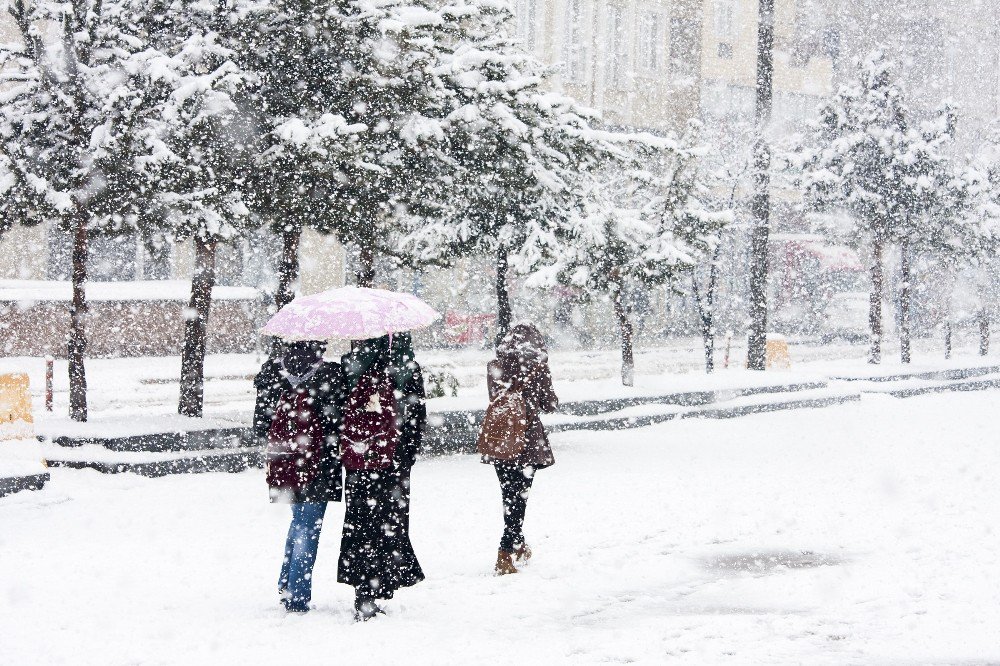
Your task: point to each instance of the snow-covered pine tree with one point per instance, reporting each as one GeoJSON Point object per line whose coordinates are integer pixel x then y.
{"type": "Point", "coordinates": [351, 111]}
{"type": "Point", "coordinates": [933, 199]}
{"type": "Point", "coordinates": [201, 149]}
{"type": "Point", "coordinates": [524, 156]}
{"type": "Point", "coordinates": [853, 159]}
{"type": "Point", "coordinates": [402, 166]}
{"type": "Point", "coordinates": [978, 231]}
{"type": "Point", "coordinates": [71, 102]}
{"type": "Point", "coordinates": [302, 54]}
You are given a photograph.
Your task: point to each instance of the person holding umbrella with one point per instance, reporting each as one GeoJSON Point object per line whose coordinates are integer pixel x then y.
{"type": "Point", "coordinates": [383, 417]}
{"type": "Point", "coordinates": [296, 419]}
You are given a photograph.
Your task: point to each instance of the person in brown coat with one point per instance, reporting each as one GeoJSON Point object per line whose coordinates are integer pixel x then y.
{"type": "Point", "coordinates": [521, 365]}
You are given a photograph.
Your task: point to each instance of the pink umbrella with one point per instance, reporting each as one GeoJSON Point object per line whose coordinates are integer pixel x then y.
{"type": "Point", "coordinates": [353, 313]}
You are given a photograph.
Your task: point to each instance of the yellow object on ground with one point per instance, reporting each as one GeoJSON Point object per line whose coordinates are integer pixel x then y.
{"type": "Point", "coordinates": [777, 353]}
{"type": "Point", "coordinates": [15, 407]}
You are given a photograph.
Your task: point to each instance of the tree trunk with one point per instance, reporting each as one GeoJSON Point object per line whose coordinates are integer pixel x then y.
{"type": "Point", "coordinates": [761, 203]}
{"type": "Point", "coordinates": [875, 304]}
{"type": "Point", "coordinates": [706, 313]}
{"type": "Point", "coordinates": [192, 399]}
{"type": "Point", "coordinates": [365, 277]}
{"type": "Point", "coordinates": [984, 332]}
{"type": "Point", "coordinates": [504, 315]}
{"type": "Point", "coordinates": [904, 302]}
{"type": "Point", "coordinates": [947, 339]}
{"type": "Point", "coordinates": [288, 272]}
{"type": "Point", "coordinates": [77, 326]}
{"type": "Point", "coordinates": [625, 329]}
{"type": "Point", "coordinates": [708, 340]}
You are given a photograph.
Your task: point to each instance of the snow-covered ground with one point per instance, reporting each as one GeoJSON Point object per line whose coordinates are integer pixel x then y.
{"type": "Point", "coordinates": [863, 533]}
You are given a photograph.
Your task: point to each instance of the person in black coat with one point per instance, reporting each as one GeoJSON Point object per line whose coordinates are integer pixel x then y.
{"type": "Point", "coordinates": [300, 384]}
{"type": "Point", "coordinates": [376, 555]}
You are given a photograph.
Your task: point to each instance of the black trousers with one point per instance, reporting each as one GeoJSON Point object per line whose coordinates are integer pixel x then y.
{"type": "Point", "coordinates": [515, 484]}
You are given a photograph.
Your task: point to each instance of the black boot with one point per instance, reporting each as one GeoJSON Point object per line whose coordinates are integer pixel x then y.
{"type": "Point", "coordinates": [365, 607]}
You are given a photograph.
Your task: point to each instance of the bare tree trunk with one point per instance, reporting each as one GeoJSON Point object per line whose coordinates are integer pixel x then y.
{"type": "Point", "coordinates": [625, 329]}
{"type": "Point", "coordinates": [504, 315]}
{"type": "Point", "coordinates": [761, 203]}
{"type": "Point", "coordinates": [875, 304]}
{"type": "Point", "coordinates": [947, 339]}
{"type": "Point", "coordinates": [288, 272]}
{"type": "Point", "coordinates": [192, 400]}
{"type": "Point", "coordinates": [77, 326]}
{"type": "Point", "coordinates": [904, 302]}
{"type": "Point", "coordinates": [365, 276]}
{"type": "Point", "coordinates": [984, 332]}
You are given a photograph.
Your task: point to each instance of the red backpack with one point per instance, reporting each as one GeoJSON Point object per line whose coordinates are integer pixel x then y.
{"type": "Point", "coordinates": [294, 442]}
{"type": "Point", "coordinates": [368, 432]}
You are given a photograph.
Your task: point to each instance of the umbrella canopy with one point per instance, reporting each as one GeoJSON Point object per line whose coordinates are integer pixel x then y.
{"type": "Point", "coordinates": [353, 313]}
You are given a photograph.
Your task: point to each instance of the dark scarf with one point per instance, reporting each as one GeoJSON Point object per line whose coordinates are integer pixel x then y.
{"type": "Point", "coordinates": [301, 361]}
{"type": "Point", "coordinates": [375, 355]}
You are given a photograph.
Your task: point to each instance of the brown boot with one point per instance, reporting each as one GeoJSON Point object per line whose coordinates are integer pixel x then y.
{"type": "Point", "coordinates": [505, 565]}
{"type": "Point", "coordinates": [522, 553]}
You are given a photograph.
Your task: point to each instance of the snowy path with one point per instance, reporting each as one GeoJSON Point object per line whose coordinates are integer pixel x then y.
{"type": "Point", "coordinates": [863, 533]}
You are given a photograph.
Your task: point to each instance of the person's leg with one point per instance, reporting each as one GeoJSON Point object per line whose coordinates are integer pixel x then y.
{"type": "Point", "coordinates": [307, 522]}
{"type": "Point", "coordinates": [508, 492]}
{"type": "Point", "coordinates": [520, 487]}
{"type": "Point", "coordinates": [286, 562]}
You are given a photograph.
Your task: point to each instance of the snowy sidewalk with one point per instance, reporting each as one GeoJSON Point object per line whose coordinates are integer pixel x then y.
{"type": "Point", "coordinates": [856, 534]}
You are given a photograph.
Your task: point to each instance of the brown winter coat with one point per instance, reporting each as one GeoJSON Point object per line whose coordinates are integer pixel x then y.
{"type": "Point", "coordinates": [534, 380]}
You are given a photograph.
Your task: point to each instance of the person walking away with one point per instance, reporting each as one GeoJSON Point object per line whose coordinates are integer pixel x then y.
{"type": "Point", "coordinates": [296, 420]}
{"type": "Point", "coordinates": [512, 438]}
{"type": "Point", "coordinates": [381, 431]}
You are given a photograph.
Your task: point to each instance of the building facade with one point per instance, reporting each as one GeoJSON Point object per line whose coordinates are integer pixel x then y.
{"type": "Point", "coordinates": [803, 62]}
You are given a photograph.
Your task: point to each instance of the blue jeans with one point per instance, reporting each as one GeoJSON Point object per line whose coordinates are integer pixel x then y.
{"type": "Point", "coordinates": [300, 554]}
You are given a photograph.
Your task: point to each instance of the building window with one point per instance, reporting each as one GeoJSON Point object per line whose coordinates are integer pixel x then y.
{"type": "Point", "coordinates": [684, 50]}
{"type": "Point", "coordinates": [724, 12]}
{"type": "Point", "coordinates": [651, 42]}
{"type": "Point", "coordinates": [617, 47]}
{"type": "Point", "coordinates": [725, 50]}
{"type": "Point", "coordinates": [728, 102]}
{"type": "Point", "coordinates": [574, 43]}
{"type": "Point", "coordinates": [952, 58]}
{"type": "Point", "coordinates": [830, 40]}
{"type": "Point", "coordinates": [524, 19]}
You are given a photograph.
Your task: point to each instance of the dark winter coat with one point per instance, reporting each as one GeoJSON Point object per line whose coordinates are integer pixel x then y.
{"type": "Point", "coordinates": [534, 380]}
{"type": "Point", "coordinates": [325, 386]}
{"type": "Point", "coordinates": [412, 418]}
{"type": "Point", "coordinates": [376, 555]}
